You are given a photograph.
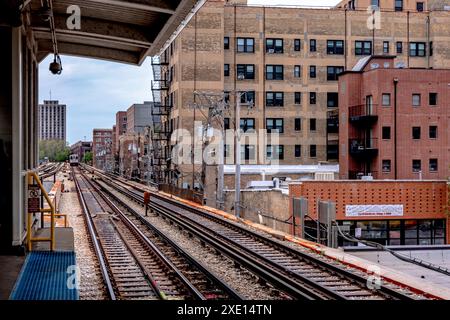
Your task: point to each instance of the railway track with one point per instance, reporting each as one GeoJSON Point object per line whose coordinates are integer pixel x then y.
{"type": "Point", "coordinates": [300, 274]}
{"type": "Point", "coordinates": [137, 261]}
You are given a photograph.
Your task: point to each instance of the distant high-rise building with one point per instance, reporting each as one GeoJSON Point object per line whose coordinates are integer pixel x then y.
{"type": "Point", "coordinates": [52, 120]}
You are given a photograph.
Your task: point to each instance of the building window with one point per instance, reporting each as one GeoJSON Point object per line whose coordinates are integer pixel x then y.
{"type": "Point", "coordinates": [248, 152]}
{"type": "Point", "coordinates": [297, 97]}
{"type": "Point", "coordinates": [335, 47]}
{"type": "Point", "coordinates": [386, 99]}
{"type": "Point", "coordinates": [274, 125]}
{"type": "Point", "coordinates": [432, 132]}
{"type": "Point", "coordinates": [297, 45]}
{"type": "Point", "coordinates": [312, 71]}
{"type": "Point", "coordinates": [432, 99]}
{"type": "Point", "coordinates": [375, 3]}
{"type": "Point", "coordinates": [312, 124]}
{"type": "Point", "coordinates": [419, 6]}
{"type": "Point", "coordinates": [398, 5]}
{"type": "Point", "coordinates": [333, 72]}
{"type": "Point", "coordinates": [248, 97]}
{"type": "Point", "coordinates": [363, 48]}
{"type": "Point", "coordinates": [433, 165]}
{"type": "Point", "coordinates": [416, 165]}
{"type": "Point", "coordinates": [226, 70]}
{"type": "Point", "coordinates": [226, 96]}
{"type": "Point", "coordinates": [312, 45]}
{"type": "Point", "coordinates": [416, 133]}
{"type": "Point", "coordinates": [416, 99]}
{"type": "Point", "coordinates": [226, 123]}
{"type": "Point", "coordinates": [312, 98]}
{"type": "Point", "coordinates": [297, 71]}
{"type": "Point", "coordinates": [386, 165]}
{"type": "Point", "coordinates": [275, 152]}
{"type": "Point", "coordinates": [274, 99]}
{"type": "Point", "coordinates": [245, 45]}
{"type": "Point", "coordinates": [386, 133]}
{"type": "Point", "coordinates": [313, 151]}
{"type": "Point", "coordinates": [385, 47]}
{"type": "Point", "coordinates": [247, 124]}
{"type": "Point", "coordinates": [226, 43]}
{"type": "Point", "coordinates": [417, 49]}
{"type": "Point", "coordinates": [431, 48]}
{"type": "Point", "coordinates": [332, 99]}
{"type": "Point", "coordinates": [399, 46]}
{"type": "Point", "coordinates": [298, 124]}
{"type": "Point", "coordinates": [274, 72]}
{"type": "Point", "coordinates": [274, 45]}
{"type": "Point", "coordinates": [298, 151]}
{"type": "Point", "coordinates": [245, 71]}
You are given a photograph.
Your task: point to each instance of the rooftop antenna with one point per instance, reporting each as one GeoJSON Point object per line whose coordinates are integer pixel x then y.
{"type": "Point", "coordinates": [50, 94]}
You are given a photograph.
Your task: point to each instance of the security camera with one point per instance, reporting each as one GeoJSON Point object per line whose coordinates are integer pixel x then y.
{"type": "Point", "coordinates": [56, 66]}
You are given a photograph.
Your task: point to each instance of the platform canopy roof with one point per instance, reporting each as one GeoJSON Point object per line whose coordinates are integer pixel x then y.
{"type": "Point", "coordinates": [118, 30]}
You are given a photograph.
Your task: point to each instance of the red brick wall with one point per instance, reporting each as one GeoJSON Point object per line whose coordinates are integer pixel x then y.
{"type": "Point", "coordinates": [421, 199]}
{"type": "Point", "coordinates": [354, 87]}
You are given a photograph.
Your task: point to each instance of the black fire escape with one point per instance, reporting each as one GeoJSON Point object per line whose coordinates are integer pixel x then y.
{"type": "Point", "coordinates": [161, 129]}
{"type": "Point", "coordinates": [332, 135]}
{"type": "Point", "coordinates": [363, 147]}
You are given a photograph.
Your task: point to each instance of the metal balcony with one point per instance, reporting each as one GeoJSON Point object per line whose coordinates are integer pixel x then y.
{"type": "Point", "coordinates": [363, 148]}
{"type": "Point", "coordinates": [362, 174]}
{"type": "Point", "coordinates": [332, 152]}
{"type": "Point", "coordinates": [333, 125]}
{"type": "Point", "coordinates": [363, 115]}
{"type": "Point", "coordinates": [159, 110]}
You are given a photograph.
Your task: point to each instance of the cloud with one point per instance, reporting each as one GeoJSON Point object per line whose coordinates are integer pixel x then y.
{"type": "Point", "coordinates": [94, 90]}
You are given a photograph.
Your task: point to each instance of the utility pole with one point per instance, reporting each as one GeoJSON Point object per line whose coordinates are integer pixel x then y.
{"type": "Point", "coordinates": [220, 172]}
{"type": "Point", "coordinates": [237, 155]}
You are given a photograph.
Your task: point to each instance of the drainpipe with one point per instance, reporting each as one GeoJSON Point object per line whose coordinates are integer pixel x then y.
{"type": "Point", "coordinates": [395, 127]}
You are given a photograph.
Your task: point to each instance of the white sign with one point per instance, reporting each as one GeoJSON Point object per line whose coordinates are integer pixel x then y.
{"type": "Point", "coordinates": [371, 210]}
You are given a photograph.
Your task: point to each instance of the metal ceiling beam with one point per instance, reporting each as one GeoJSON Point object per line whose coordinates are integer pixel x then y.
{"type": "Point", "coordinates": [90, 51]}
{"type": "Point", "coordinates": [134, 5]}
{"type": "Point", "coordinates": [42, 33]}
{"type": "Point", "coordinates": [99, 27]}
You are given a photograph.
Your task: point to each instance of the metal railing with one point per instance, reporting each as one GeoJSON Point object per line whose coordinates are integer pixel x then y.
{"type": "Point", "coordinates": [361, 145]}
{"type": "Point", "coordinates": [362, 110]}
{"type": "Point", "coordinates": [358, 174]}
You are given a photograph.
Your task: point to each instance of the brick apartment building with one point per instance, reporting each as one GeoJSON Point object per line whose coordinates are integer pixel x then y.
{"type": "Point", "coordinates": [80, 148]}
{"type": "Point", "coordinates": [102, 149]}
{"type": "Point", "coordinates": [288, 60]}
{"type": "Point", "coordinates": [393, 5]}
{"type": "Point", "coordinates": [120, 128]}
{"type": "Point", "coordinates": [394, 123]}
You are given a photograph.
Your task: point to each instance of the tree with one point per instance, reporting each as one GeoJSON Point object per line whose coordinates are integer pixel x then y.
{"type": "Point", "coordinates": [87, 158]}
{"type": "Point", "coordinates": [55, 150]}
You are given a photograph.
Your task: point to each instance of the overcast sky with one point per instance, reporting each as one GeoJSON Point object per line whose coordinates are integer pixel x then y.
{"type": "Point", "coordinates": [95, 90]}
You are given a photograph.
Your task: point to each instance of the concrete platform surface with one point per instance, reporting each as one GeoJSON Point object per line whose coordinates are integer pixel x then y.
{"type": "Point", "coordinates": [10, 267]}
{"type": "Point", "coordinates": [64, 239]}
{"type": "Point", "coordinates": [439, 256]}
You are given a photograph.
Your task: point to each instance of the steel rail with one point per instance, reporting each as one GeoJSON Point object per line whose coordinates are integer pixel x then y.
{"type": "Point", "coordinates": [135, 230]}
{"type": "Point", "coordinates": [230, 291]}
{"type": "Point", "coordinates": [94, 239]}
{"type": "Point", "coordinates": [361, 281]}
